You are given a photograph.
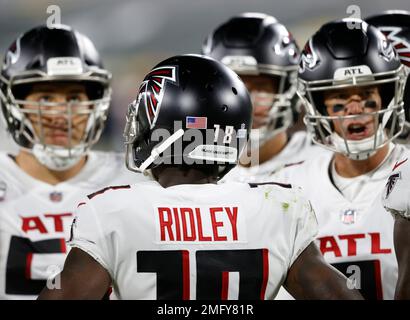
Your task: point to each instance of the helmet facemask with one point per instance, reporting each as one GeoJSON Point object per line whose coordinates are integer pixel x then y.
{"type": "Point", "coordinates": [281, 104]}
{"type": "Point", "coordinates": [335, 132]}
{"type": "Point", "coordinates": [80, 122]}
{"type": "Point", "coordinates": [136, 138]}
{"type": "Point", "coordinates": [256, 44]}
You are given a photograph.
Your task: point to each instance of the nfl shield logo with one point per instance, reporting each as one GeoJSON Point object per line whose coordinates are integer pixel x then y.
{"type": "Point", "coordinates": [348, 216]}
{"type": "Point", "coordinates": [56, 196]}
{"type": "Point", "coordinates": [3, 188]}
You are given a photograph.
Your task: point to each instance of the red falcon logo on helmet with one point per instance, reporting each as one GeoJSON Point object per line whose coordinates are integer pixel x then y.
{"type": "Point", "coordinates": [309, 58]}
{"type": "Point", "coordinates": [401, 45]}
{"type": "Point", "coordinates": [152, 90]}
{"type": "Point", "coordinates": [12, 54]}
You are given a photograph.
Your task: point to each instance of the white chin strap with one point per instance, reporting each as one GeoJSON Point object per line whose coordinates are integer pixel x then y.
{"type": "Point", "coordinates": [57, 159]}
{"type": "Point", "coordinates": [358, 149]}
{"type": "Point", "coordinates": [257, 137]}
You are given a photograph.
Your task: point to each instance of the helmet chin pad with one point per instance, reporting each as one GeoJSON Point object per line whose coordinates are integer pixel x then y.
{"type": "Point", "coordinates": [358, 149]}
{"type": "Point", "coordinates": [58, 159]}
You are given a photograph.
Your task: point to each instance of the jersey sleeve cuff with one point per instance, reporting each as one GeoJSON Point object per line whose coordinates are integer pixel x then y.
{"type": "Point", "coordinates": [85, 247]}
{"type": "Point", "coordinates": [300, 250]}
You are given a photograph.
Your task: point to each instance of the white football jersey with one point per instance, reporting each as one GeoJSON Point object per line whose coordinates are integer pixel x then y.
{"type": "Point", "coordinates": [228, 241]}
{"type": "Point", "coordinates": [355, 234]}
{"type": "Point", "coordinates": [396, 195]}
{"type": "Point", "coordinates": [299, 148]}
{"type": "Point", "coordinates": [35, 219]}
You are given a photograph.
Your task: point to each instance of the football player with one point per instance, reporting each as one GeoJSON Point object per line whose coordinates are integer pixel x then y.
{"type": "Point", "coordinates": [351, 82]}
{"type": "Point", "coordinates": [395, 25]}
{"type": "Point", "coordinates": [55, 96]}
{"type": "Point", "coordinates": [183, 236]}
{"type": "Point", "coordinates": [395, 199]}
{"type": "Point", "coordinates": [265, 55]}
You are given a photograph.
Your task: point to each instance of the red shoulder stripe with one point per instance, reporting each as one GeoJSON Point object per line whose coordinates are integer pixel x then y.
{"type": "Point", "coordinates": [398, 164]}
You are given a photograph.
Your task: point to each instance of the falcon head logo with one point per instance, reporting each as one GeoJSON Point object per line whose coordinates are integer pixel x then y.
{"type": "Point", "coordinates": [309, 58]}
{"type": "Point", "coordinates": [399, 43]}
{"type": "Point", "coordinates": [152, 89]}
{"type": "Point", "coordinates": [391, 182]}
{"type": "Point", "coordinates": [13, 54]}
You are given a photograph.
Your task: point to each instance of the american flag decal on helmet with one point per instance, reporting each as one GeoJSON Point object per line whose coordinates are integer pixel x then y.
{"type": "Point", "coordinates": [401, 45]}
{"type": "Point", "coordinates": [152, 90]}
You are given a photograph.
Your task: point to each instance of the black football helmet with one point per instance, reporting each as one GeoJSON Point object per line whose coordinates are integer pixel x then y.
{"type": "Point", "coordinates": [189, 110]}
{"type": "Point", "coordinates": [350, 53]}
{"type": "Point", "coordinates": [53, 55]}
{"type": "Point", "coordinates": [395, 25]}
{"type": "Point", "coordinates": [255, 44]}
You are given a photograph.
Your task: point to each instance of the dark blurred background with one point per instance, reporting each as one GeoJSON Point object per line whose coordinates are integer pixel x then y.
{"type": "Point", "coordinates": [133, 35]}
